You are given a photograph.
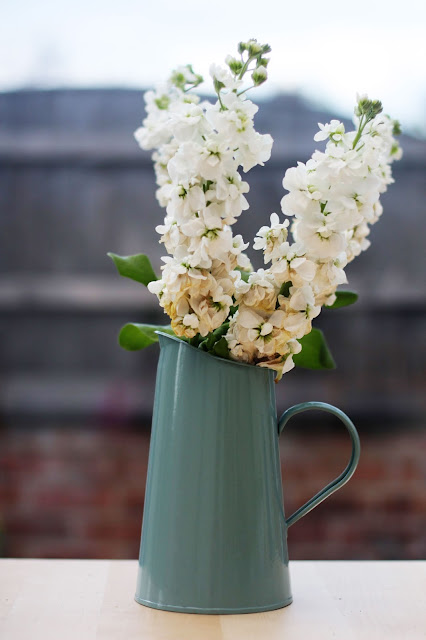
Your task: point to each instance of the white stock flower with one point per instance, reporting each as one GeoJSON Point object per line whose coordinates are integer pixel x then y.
{"type": "Point", "coordinates": [211, 310]}
{"type": "Point", "coordinates": [187, 76]}
{"type": "Point", "coordinates": [263, 330]}
{"type": "Point", "coordinates": [284, 361]}
{"type": "Point", "coordinates": [261, 293]}
{"type": "Point", "coordinates": [256, 150]}
{"type": "Point", "coordinates": [199, 148]}
{"type": "Point", "coordinates": [223, 75]}
{"type": "Point", "coordinates": [211, 244]}
{"type": "Point", "coordinates": [333, 130]}
{"type": "Point", "coordinates": [270, 239]}
{"type": "Point", "coordinates": [171, 235]}
{"type": "Point", "coordinates": [191, 320]}
{"type": "Point", "coordinates": [300, 310]}
{"type": "Point", "coordinates": [184, 201]}
{"type": "Point", "coordinates": [188, 122]}
{"type": "Point", "coordinates": [237, 249]}
{"type": "Point", "coordinates": [321, 243]}
{"type": "Point", "coordinates": [293, 266]}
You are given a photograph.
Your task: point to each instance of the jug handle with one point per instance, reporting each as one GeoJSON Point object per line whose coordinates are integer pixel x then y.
{"type": "Point", "coordinates": [338, 482]}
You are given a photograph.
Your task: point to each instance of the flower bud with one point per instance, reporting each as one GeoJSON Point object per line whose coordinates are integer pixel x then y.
{"type": "Point", "coordinates": [262, 62]}
{"type": "Point", "coordinates": [376, 108]}
{"type": "Point", "coordinates": [178, 79]}
{"type": "Point", "coordinates": [185, 75]}
{"type": "Point", "coordinates": [254, 48]}
{"type": "Point", "coordinates": [234, 64]}
{"type": "Point", "coordinates": [163, 102]}
{"type": "Point", "coordinates": [367, 107]}
{"type": "Point", "coordinates": [259, 75]}
{"type": "Point", "coordinates": [218, 85]}
{"type": "Point", "coordinates": [362, 104]}
{"type": "Point", "coordinates": [396, 131]}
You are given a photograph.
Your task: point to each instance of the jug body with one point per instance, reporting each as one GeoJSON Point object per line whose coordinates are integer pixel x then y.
{"type": "Point", "coordinates": [214, 533]}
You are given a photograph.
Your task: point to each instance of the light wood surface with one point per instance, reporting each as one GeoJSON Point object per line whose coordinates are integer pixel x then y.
{"type": "Point", "coordinates": [93, 599]}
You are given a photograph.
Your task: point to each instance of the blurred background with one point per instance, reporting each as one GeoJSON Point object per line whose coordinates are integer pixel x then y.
{"type": "Point", "coordinates": [75, 410]}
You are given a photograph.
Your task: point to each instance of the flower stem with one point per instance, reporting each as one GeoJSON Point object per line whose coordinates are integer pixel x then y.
{"type": "Point", "coordinates": [240, 93]}
{"type": "Point", "coordinates": [222, 106]}
{"type": "Point", "coordinates": [245, 67]}
{"type": "Point", "coordinates": [359, 132]}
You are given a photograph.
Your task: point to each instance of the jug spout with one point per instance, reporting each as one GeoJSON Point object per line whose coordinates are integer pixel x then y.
{"type": "Point", "coordinates": [166, 339]}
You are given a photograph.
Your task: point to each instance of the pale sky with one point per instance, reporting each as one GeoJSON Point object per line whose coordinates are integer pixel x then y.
{"type": "Point", "coordinates": [327, 50]}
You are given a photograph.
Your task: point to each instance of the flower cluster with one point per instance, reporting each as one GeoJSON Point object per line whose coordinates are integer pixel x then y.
{"type": "Point", "coordinates": [207, 282]}
{"type": "Point", "coordinates": [333, 199]}
{"type": "Point", "coordinates": [199, 147]}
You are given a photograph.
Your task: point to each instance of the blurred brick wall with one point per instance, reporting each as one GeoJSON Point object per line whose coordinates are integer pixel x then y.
{"type": "Point", "coordinates": [79, 494]}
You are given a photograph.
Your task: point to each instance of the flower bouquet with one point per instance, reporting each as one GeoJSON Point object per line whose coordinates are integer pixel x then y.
{"type": "Point", "coordinates": [214, 529]}
{"type": "Point", "coordinates": [208, 288]}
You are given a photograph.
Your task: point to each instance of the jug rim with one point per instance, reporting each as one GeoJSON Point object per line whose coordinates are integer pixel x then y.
{"type": "Point", "coordinates": [210, 355]}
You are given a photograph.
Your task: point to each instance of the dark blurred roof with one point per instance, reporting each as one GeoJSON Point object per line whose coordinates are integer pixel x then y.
{"type": "Point", "coordinates": [99, 124]}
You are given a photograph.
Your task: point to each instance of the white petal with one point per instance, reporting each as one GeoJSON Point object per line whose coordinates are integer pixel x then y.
{"type": "Point", "coordinates": [266, 329]}
{"type": "Point", "coordinates": [277, 318]}
{"type": "Point", "coordinates": [274, 219]}
{"type": "Point", "coordinates": [249, 319]}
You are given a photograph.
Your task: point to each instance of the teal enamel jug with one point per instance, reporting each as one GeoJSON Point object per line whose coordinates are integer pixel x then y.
{"type": "Point", "coordinates": [214, 533]}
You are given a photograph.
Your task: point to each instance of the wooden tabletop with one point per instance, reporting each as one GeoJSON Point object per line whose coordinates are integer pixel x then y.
{"type": "Point", "coordinates": [88, 599]}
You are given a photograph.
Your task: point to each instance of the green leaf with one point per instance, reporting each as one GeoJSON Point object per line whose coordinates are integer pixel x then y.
{"type": "Point", "coordinates": [221, 349]}
{"type": "Point", "coordinates": [195, 341]}
{"type": "Point", "coordinates": [315, 353]}
{"type": "Point", "coordinates": [343, 299]}
{"type": "Point", "coordinates": [210, 340]}
{"type": "Point", "coordinates": [285, 289]}
{"type": "Point", "coordinates": [245, 275]}
{"type": "Point", "coordinates": [136, 267]}
{"type": "Point", "coordinates": [138, 336]}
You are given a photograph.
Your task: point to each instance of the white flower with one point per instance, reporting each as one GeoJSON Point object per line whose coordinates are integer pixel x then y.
{"type": "Point", "coordinates": [156, 287]}
{"type": "Point", "coordinates": [215, 159]}
{"type": "Point", "coordinates": [270, 239]}
{"type": "Point", "coordinates": [171, 235]}
{"type": "Point", "coordinates": [300, 310]}
{"type": "Point", "coordinates": [191, 320]}
{"type": "Point", "coordinates": [239, 112]}
{"type": "Point", "coordinates": [334, 198]}
{"type": "Point", "coordinates": [153, 134]}
{"type": "Point", "coordinates": [223, 75]}
{"type": "Point", "coordinates": [293, 266]}
{"type": "Point", "coordinates": [302, 299]}
{"type": "Point", "coordinates": [235, 120]}
{"type": "Point", "coordinates": [211, 309]}
{"type": "Point", "coordinates": [178, 266]}
{"type": "Point", "coordinates": [262, 330]}
{"type": "Point", "coordinates": [237, 249]}
{"type": "Point", "coordinates": [321, 243]}
{"type": "Point", "coordinates": [188, 122]}
{"type": "Point", "coordinates": [215, 243]}
{"type": "Point", "coordinates": [256, 150]}
{"type": "Point", "coordinates": [183, 168]}
{"type": "Point", "coordinates": [333, 130]}
{"type": "Point", "coordinates": [305, 179]}
{"type": "Point", "coordinates": [262, 292]}
{"type": "Point", "coordinates": [284, 363]}
{"type": "Point", "coordinates": [186, 73]}
{"type": "Point", "coordinates": [184, 201]}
